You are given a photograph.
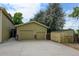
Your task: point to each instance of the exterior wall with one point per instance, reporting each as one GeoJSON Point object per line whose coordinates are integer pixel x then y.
{"type": "Point", "coordinates": [63, 36]}
{"type": "Point", "coordinates": [6, 27]}
{"type": "Point", "coordinates": [35, 28]}
{"type": "Point", "coordinates": [0, 26]}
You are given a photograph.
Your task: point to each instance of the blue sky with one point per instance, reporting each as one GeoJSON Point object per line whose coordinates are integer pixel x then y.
{"type": "Point", "coordinates": [30, 9]}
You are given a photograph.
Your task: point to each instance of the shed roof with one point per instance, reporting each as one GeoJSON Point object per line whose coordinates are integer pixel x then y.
{"type": "Point", "coordinates": [32, 22]}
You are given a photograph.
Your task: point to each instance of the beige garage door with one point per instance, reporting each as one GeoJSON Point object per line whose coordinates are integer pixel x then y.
{"type": "Point", "coordinates": [41, 35]}
{"type": "Point", "coordinates": [26, 34]}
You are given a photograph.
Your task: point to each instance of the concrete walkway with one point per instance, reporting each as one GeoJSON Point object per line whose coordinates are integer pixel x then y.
{"type": "Point", "coordinates": [36, 48]}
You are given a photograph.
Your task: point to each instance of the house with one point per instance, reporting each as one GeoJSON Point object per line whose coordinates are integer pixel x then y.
{"type": "Point", "coordinates": [31, 31]}
{"type": "Point", "coordinates": [6, 25]}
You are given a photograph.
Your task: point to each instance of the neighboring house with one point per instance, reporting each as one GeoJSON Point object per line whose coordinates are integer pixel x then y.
{"type": "Point", "coordinates": [31, 30]}
{"type": "Point", "coordinates": [6, 25]}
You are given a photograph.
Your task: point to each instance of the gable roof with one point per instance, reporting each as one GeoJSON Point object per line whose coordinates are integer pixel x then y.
{"type": "Point", "coordinates": [32, 22]}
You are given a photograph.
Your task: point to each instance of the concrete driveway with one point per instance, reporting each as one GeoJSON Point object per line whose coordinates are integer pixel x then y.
{"type": "Point", "coordinates": [36, 48]}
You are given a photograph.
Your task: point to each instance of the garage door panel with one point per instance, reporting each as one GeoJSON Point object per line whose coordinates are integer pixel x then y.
{"type": "Point", "coordinates": [26, 34]}
{"type": "Point", "coordinates": [41, 35]}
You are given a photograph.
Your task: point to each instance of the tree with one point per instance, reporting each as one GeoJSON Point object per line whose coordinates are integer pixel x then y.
{"type": "Point", "coordinates": [17, 18]}
{"type": "Point", "coordinates": [39, 17]}
{"type": "Point", "coordinates": [75, 13]}
{"type": "Point", "coordinates": [53, 17]}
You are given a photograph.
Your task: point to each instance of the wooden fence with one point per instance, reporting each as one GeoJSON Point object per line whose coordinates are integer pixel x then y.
{"type": "Point", "coordinates": [65, 36]}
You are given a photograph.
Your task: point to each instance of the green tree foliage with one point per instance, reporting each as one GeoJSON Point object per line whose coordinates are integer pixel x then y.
{"type": "Point", "coordinates": [78, 31]}
{"type": "Point", "coordinates": [53, 17]}
{"type": "Point", "coordinates": [75, 13]}
{"type": "Point", "coordinates": [17, 18]}
{"type": "Point", "coordinates": [39, 17]}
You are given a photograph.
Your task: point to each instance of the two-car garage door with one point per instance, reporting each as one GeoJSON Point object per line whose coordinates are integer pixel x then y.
{"type": "Point", "coordinates": [30, 35]}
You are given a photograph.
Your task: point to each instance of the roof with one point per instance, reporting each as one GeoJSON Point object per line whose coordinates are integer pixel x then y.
{"type": "Point", "coordinates": [6, 14]}
{"type": "Point", "coordinates": [32, 22]}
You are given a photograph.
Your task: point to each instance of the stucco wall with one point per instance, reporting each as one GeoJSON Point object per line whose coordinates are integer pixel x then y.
{"type": "Point", "coordinates": [0, 26]}
{"type": "Point", "coordinates": [32, 26]}
{"type": "Point", "coordinates": [36, 28]}
{"type": "Point", "coordinates": [63, 36]}
{"type": "Point", "coordinates": [6, 27]}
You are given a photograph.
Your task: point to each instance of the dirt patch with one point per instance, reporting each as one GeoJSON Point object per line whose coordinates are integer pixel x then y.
{"type": "Point", "coordinates": [73, 45]}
